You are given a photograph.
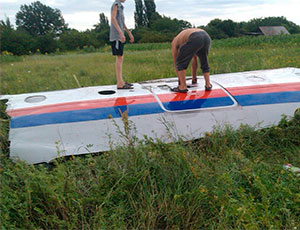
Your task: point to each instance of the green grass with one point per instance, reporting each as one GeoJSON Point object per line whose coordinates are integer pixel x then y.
{"type": "Point", "coordinates": [227, 180]}
{"type": "Point", "coordinates": [230, 179]}
{"type": "Point", "coordinates": [142, 62]}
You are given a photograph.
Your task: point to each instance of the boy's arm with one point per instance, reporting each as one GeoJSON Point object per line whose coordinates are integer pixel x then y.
{"type": "Point", "coordinates": [129, 33]}
{"type": "Point", "coordinates": [115, 23]}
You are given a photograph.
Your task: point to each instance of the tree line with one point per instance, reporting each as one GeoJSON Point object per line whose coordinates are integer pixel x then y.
{"type": "Point", "coordinates": [40, 28]}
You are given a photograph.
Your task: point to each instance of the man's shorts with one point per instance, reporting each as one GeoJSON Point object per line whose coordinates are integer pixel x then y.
{"type": "Point", "coordinates": [117, 49]}
{"type": "Point", "coordinates": [199, 44]}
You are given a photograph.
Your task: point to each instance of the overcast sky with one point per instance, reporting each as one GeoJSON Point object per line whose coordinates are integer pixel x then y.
{"type": "Point", "coordinates": [82, 15]}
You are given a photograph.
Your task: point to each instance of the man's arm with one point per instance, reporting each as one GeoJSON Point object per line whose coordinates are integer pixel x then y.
{"type": "Point", "coordinates": [174, 52]}
{"type": "Point", "coordinates": [115, 23]}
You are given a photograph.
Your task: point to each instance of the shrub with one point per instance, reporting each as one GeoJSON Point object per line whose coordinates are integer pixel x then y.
{"type": "Point", "coordinates": [17, 42]}
{"type": "Point", "coordinates": [45, 44]}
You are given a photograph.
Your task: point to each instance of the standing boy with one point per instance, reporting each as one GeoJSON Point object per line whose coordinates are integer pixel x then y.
{"type": "Point", "coordinates": [186, 46]}
{"type": "Point", "coordinates": [117, 40]}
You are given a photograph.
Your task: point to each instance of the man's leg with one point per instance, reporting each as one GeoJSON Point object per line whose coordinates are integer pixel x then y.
{"type": "Point", "coordinates": [119, 64]}
{"type": "Point", "coordinates": [194, 69]}
{"type": "Point", "coordinates": [207, 80]}
{"type": "Point", "coordinates": [182, 80]}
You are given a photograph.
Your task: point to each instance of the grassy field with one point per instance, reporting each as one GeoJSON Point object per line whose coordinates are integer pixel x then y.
{"type": "Point", "coordinates": [230, 179]}
{"type": "Point", "coordinates": [142, 62]}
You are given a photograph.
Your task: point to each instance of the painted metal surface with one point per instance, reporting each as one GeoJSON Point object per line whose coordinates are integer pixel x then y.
{"type": "Point", "coordinates": [46, 125]}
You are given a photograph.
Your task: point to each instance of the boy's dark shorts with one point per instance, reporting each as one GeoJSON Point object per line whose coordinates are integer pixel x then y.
{"type": "Point", "coordinates": [115, 51]}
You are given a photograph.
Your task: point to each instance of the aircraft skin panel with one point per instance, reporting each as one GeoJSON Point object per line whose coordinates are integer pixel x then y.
{"type": "Point", "coordinates": [38, 144]}
{"type": "Point", "coordinates": [46, 125]}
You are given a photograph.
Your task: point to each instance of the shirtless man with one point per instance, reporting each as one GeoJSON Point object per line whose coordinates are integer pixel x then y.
{"type": "Point", "coordinates": [187, 45]}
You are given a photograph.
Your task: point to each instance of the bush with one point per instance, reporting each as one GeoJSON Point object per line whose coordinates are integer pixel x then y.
{"type": "Point", "coordinates": [73, 40]}
{"type": "Point", "coordinates": [145, 35]}
{"type": "Point", "coordinates": [17, 42]}
{"type": "Point", "coordinates": [45, 44]}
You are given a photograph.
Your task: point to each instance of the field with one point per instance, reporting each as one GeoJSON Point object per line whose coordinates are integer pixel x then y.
{"type": "Point", "coordinates": [230, 179]}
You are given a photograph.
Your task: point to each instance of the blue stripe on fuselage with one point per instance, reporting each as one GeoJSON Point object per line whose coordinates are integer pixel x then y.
{"type": "Point", "coordinates": [268, 98]}
{"type": "Point", "coordinates": [151, 108]}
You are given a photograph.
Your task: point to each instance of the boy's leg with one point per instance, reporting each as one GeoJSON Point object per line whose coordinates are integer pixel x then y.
{"type": "Point", "coordinates": [119, 64]}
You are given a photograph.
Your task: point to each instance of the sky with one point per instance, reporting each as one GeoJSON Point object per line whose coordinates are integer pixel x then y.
{"type": "Point", "coordinates": [82, 15]}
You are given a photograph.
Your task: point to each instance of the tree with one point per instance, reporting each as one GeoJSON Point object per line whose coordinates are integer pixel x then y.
{"type": "Point", "coordinates": [102, 31]}
{"type": "Point", "coordinates": [17, 42]}
{"type": "Point", "coordinates": [6, 24]}
{"type": "Point", "coordinates": [39, 19]}
{"type": "Point", "coordinates": [214, 29]}
{"type": "Point", "coordinates": [73, 39]}
{"type": "Point", "coordinates": [103, 23]}
{"type": "Point", "coordinates": [45, 44]}
{"type": "Point", "coordinates": [254, 24]}
{"type": "Point", "coordinates": [166, 24]}
{"type": "Point", "coordinates": [218, 29]}
{"type": "Point", "coordinates": [145, 13]}
{"type": "Point", "coordinates": [149, 11]}
{"type": "Point", "coordinates": [139, 15]}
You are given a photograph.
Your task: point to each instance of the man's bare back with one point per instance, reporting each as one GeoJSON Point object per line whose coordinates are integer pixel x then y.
{"type": "Point", "coordinates": [183, 36]}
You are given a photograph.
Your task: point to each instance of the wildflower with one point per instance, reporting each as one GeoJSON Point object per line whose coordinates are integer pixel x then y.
{"type": "Point", "coordinates": [176, 197]}
{"type": "Point", "coordinates": [203, 190]}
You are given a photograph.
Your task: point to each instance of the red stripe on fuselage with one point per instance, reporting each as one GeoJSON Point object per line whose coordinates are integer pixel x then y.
{"type": "Point", "coordinates": [111, 102]}
{"type": "Point", "coordinates": [79, 105]}
{"type": "Point", "coordinates": [143, 99]}
{"type": "Point", "coordinates": [191, 95]}
{"type": "Point", "coordinates": [258, 89]}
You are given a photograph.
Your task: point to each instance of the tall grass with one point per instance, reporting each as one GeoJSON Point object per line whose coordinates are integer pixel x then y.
{"type": "Point", "coordinates": [227, 180]}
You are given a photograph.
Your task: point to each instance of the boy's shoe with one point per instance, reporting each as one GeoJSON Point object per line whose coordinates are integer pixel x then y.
{"type": "Point", "coordinates": [126, 86]}
{"type": "Point", "coordinates": [127, 83]}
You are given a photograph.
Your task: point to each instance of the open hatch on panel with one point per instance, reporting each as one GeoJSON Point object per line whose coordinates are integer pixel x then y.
{"type": "Point", "coordinates": [195, 99]}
